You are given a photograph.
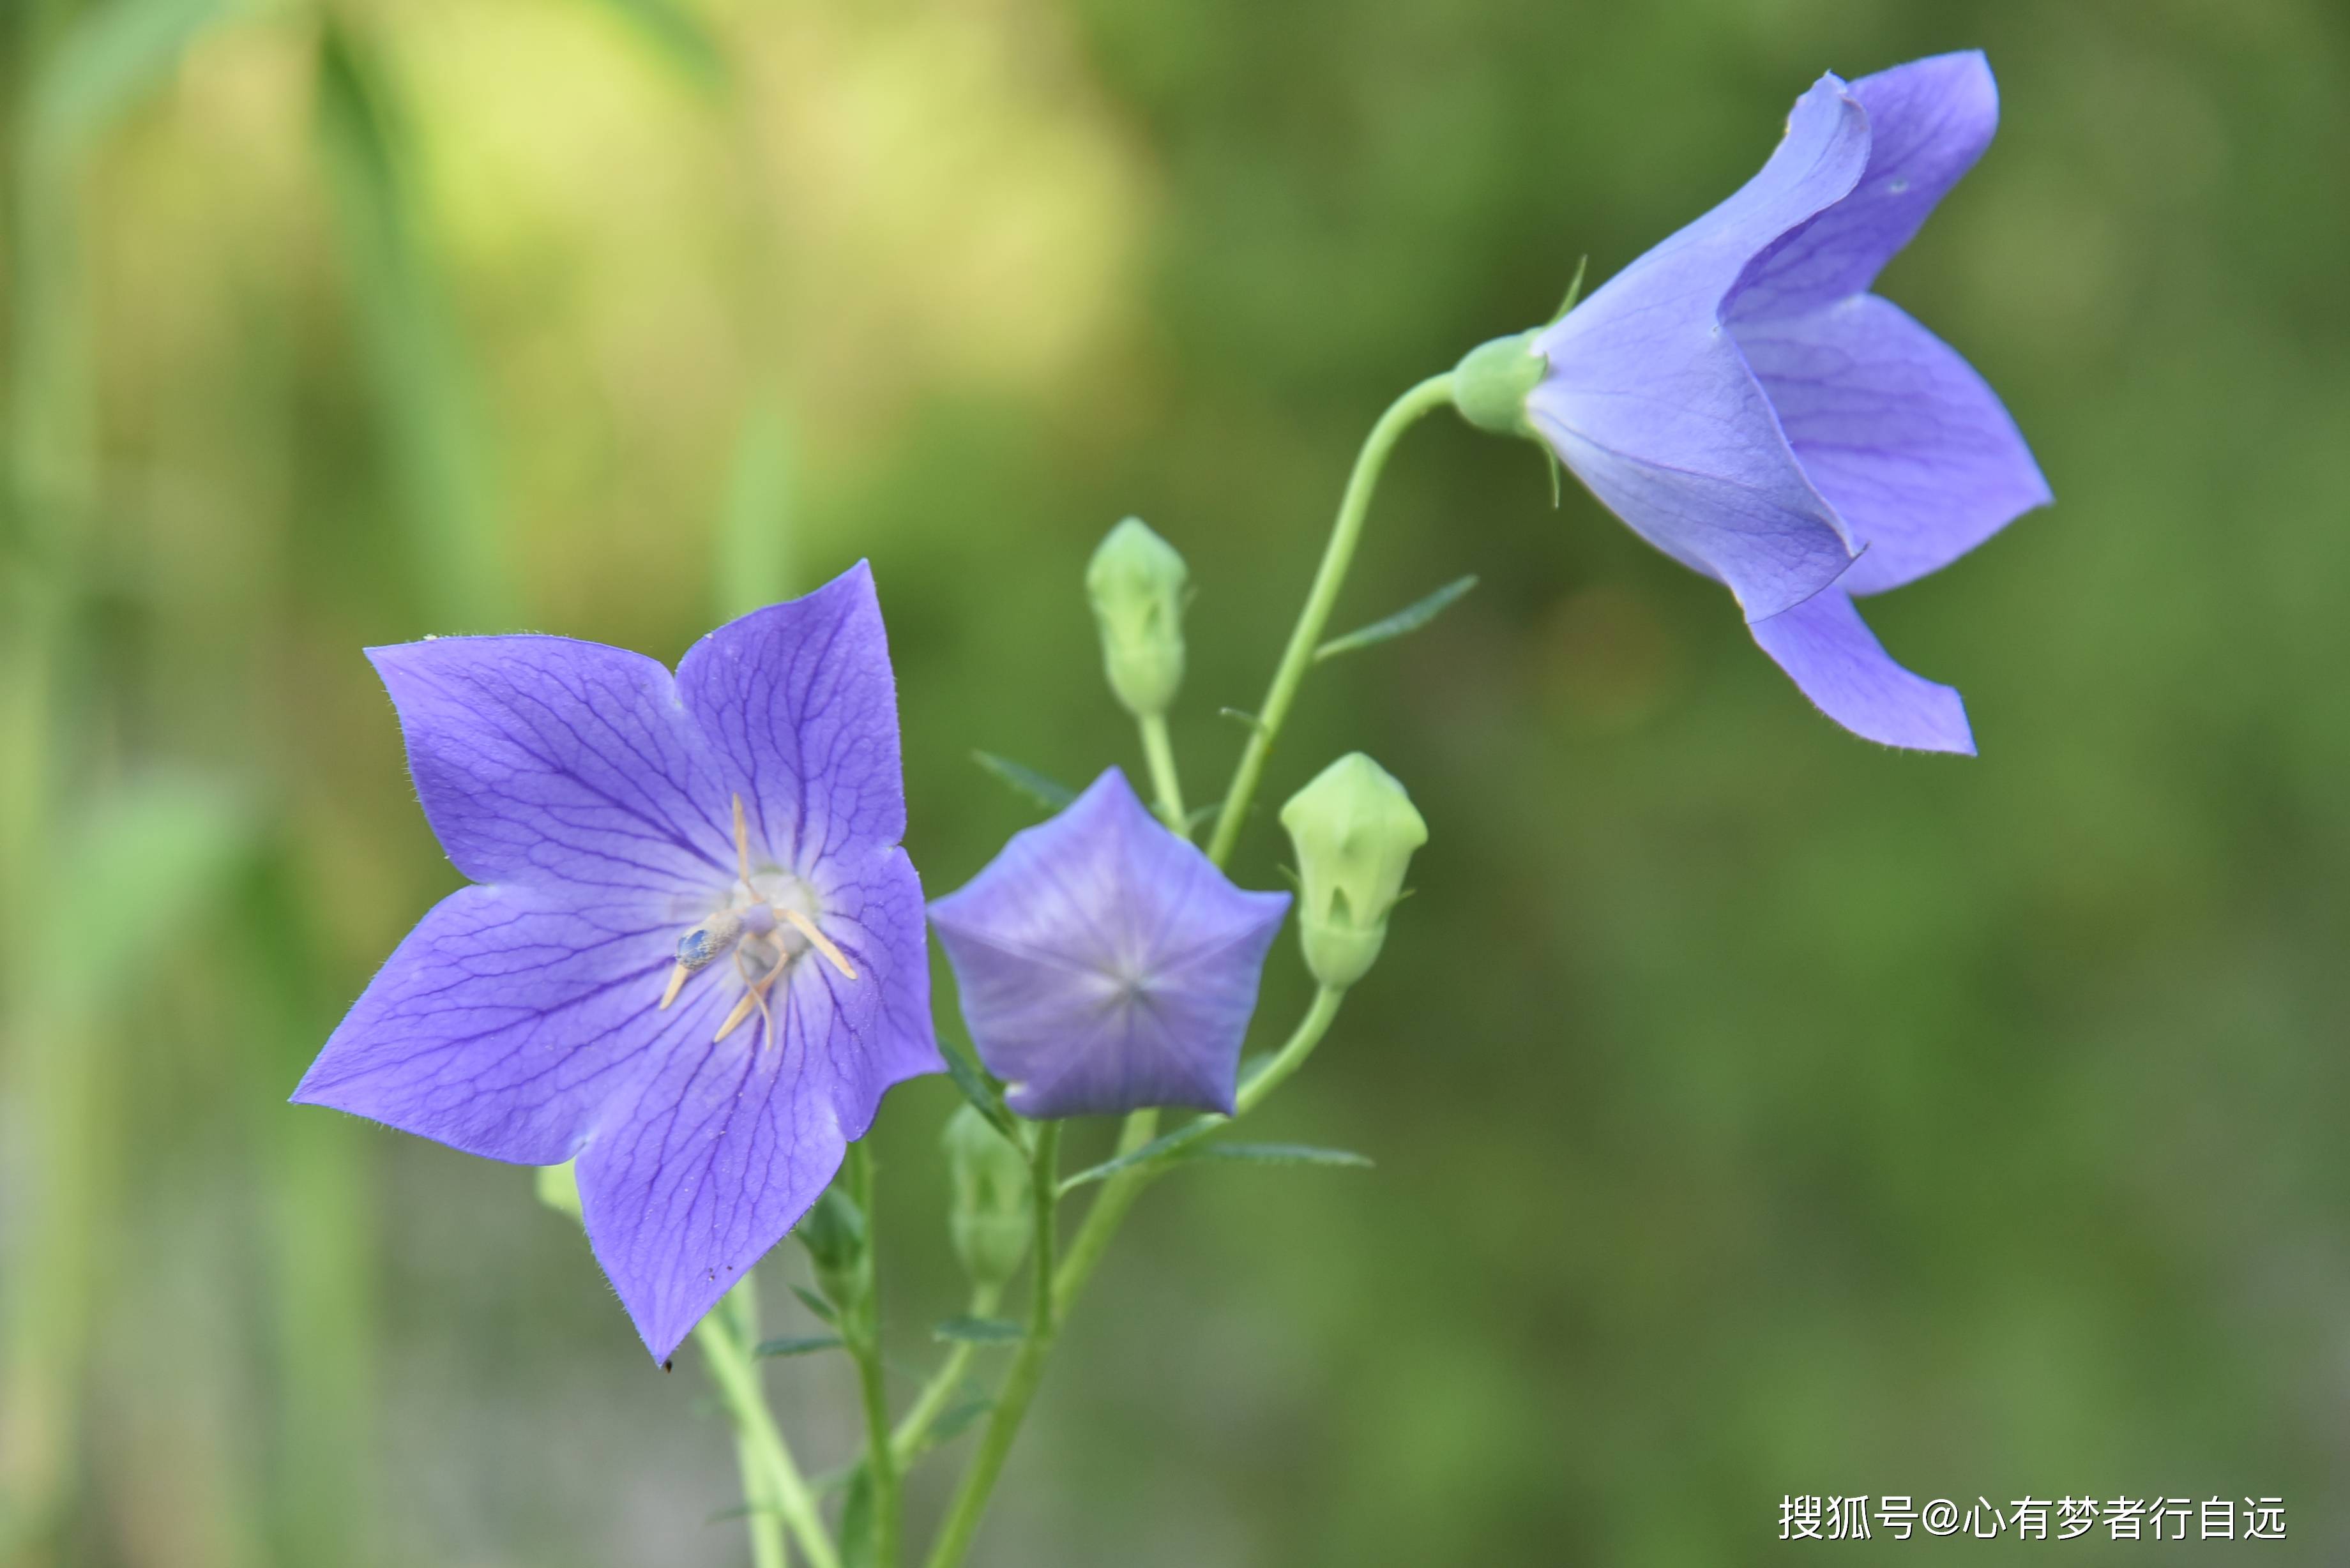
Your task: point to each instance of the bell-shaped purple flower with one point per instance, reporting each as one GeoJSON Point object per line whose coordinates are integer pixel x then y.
{"type": "Point", "coordinates": [1740, 399]}
{"type": "Point", "coordinates": [1105, 964]}
{"type": "Point", "coordinates": [692, 960]}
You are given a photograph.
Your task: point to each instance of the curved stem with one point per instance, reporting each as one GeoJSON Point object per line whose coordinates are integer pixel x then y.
{"type": "Point", "coordinates": [1164, 782]}
{"type": "Point", "coordinates": [1337, 556]}
{"type": "Point", "coordinates": [736, 1374]}
{"type": "Point", "coordinates": [865, 1343]}
{"type": "Point", "coordinates": [1119, 1193]}
{"type": "Point", "coordinates": [1028, 1367]}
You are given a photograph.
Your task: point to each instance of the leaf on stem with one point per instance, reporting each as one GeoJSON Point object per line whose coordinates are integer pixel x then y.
{"type": "Point", "coordinates": [1240, 716]}
{"type": "Point", "coordinates": [1404, 622]}
{"type": "Point", "coordinates": [1282, 1154]}
{"type": "Point", "coordinates": [954, 1422]}
{"type": "Point", "coordinates": [982, 1090]}
{"type": "Point", "coordinates": [979, 1331]}
{"type": "Point", "coordinates": [798, 1344]}
{"type": "Point", "coordinates": [1049, 792]}
{"type": "Point", "coordinates": [1187, 1143]}
{"type": "Point", "coordinates": [816, 1303]}
{"type": "Point", "coordinates": [1200, 815]}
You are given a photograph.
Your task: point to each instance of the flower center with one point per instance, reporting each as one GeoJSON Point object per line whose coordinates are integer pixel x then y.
{"type": "Point", "coordinates": [768, 920]}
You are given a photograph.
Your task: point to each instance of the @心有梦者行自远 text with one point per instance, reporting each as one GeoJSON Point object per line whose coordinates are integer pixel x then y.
{"type": "Point", "coordinates": [1890, 1518]}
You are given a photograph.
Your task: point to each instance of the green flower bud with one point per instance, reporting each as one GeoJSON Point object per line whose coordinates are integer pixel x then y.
{"type": "Point", "coordinates": [558, 1189]}
{"type": "Point", "coordinates": [833, 1234]}
{"type": "Point", "coordinates": [1137, 583]}
{"type": "Point", "coordinates": [1491, 383]}
{"type": "Point", "coordinates": [1353, 829]}
{"type": "Point", "coordinates": [989, 1219]}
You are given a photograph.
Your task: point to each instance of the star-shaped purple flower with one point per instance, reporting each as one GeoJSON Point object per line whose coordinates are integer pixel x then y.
{"type": "Point", "coordinates": [1739, 397]}
{"type": "Point", "coordinates": [1105, 964]}
{"type": "Point", "coordinates": [694, 957]}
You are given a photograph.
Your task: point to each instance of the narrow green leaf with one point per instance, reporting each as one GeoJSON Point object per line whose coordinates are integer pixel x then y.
{"type": "Point", "coordinates": [798, 1344]}
{"type": "Point", "coordinates": [1165, 1147]}
{"type": "Point", "coordinates": [435, 436]}
{"type": "Point", "coordinates": [953, 1423]}
{"type": "Point", "coordinates": [980, 1089]}
{"type": "Point", "coordinates": [816, 1303]}
{"type": "Point", "coordinates": [979, 1331]}
{"type": "Point", "coordinates": [1050, 793]}
{"type": "Point", "coordinates": [1240, 716]}
{"type": "Point", "coordinates": [1200, 815]}
{"type": "Point", "coordinates": [753, 542]}
{"type": "Point", "coordinates": [1282, 1154]}
{"type": "Point", "coordinates": [1404, 621]}
{"type": "Point", "coordinates": [111, 59]}
{"type": "Point", "coordinates": [139, 864]}
{"type": "Point", "coordinates": [678, 35]}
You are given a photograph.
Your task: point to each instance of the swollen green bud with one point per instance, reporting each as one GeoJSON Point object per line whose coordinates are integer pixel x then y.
{"type": "Point", "coordinates": [1353, 829]}
{"type": "Point", "coordinates": [1137, 583]}
{"type": "Point", "coordinates": [1491, 383]}
{"type": "Point", "coordinates": [989, 1219]}
{"type": "Point", "coordinates": [833, 1234]}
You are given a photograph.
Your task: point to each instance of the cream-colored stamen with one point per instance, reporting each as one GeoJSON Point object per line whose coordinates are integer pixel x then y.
{"type": "Point", "coordinates": [677, 978]}
{"type": "Point", "coordinates": [817, 939]}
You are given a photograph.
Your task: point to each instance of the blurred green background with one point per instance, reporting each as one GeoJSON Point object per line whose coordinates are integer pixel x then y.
{"type": "Point", "coordinates": [1756, 1111]}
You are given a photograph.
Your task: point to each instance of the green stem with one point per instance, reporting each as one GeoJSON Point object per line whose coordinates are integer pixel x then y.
{"type": "Point", "coordinates": [1164, 783]}
{"type": "Point", "coordinates": [1293, 1051]}
{"type": "Point", "coordinates": [741, 1309]}
{"type": "Point", "coordinates": [865, 1343]}
{"type": "Point", "coordinates": [1107, 1212]}
{"type": "Point", "coordinates": [737, 1373]}
{"type": "Point", "coordinates": [1337, 556]}
{"type": "Point", "coordinates": [1119, 1191]}
{"type": "Point", "coordinates": [1028, 1367]}
{"type": "Point", "coordinates": [931, 1402]}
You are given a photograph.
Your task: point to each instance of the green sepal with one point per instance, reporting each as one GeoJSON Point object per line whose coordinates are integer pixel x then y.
{"type": "Point", "coordinates": [1573, 290]}
{"type": "Point", "coordinates": [1049, 792]}
{"type": "Point", "coordinates": [816, 1303]}
{"type": "Point", "coordinates": [1491, 383]}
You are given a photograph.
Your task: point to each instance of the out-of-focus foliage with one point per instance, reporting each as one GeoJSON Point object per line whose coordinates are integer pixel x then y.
{"type": "Point", "coordinates": [1755, 1112]}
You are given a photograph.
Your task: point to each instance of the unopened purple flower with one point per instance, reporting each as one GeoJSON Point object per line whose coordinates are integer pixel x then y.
{"type": "Point", "coordinates": [1739, 397]}
{"type": "Point", "coordinates": [692, 960]}
{"type": "Point", "coordinates": [1105, 963]}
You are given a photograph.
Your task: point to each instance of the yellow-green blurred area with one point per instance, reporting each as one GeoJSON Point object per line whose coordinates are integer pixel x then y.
{"type": "Point", "coordinates": [1756, 1112]}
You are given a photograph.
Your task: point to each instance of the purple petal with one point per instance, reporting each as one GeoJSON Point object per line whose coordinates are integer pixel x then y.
{"type": "Point", "coordinates": [558, 764]}
{"type": "Point", "coordinates": [503, 1021]}
{"type": "Point", "coordinates": [1911, 446]}
{"type": "Point", "coordinates": [1842, 668]}
{"type": "Point", "coordinates": [717, 1152]}
{"type": "Point", "coordinates": [883, 1032]}
{"type": "Point", "coordinates": [1104, 963]}
{"type": "Point", "coordinates": [800, 700]}
{"type": "Point", "coordinates": [1654, 408]}
{"type": "Point", "coordinates": [1928, 122]}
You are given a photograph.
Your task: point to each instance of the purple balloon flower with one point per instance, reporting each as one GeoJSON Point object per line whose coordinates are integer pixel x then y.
{"type": "Point", "coordinates": [693, 958]}
{"type": "Point", "coordinates": [1105, 964]}
{"type": "Point", "coordinates": [1739, 397]}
